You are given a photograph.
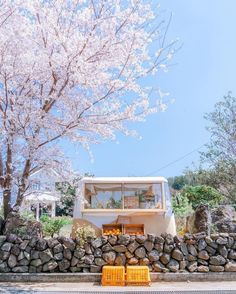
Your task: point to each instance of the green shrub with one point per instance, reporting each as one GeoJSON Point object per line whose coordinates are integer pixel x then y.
{"type": "Point", "coordinates": [20, 231]}
{"type": "Point", "coordinates": [52, 226]}
{"type": "Point", "coordinates": [84, 232]}
{"type": "Point", "coordinates": [202, 195]}
{"type": "Point", "coordinates": [181, 205]}
{"type": "Point", "coordinates": [44, 218]}
{"type": "Point", "coordinates": [182, 209]}
{"type": "Point", "coordinates": [27, 215]}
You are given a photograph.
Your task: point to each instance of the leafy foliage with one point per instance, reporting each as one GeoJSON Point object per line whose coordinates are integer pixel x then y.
{"type": "Point", "coordinates": [20, 231]}
{"type": "Point", "coordinates": [178, 182]}
{"type": "Point", "coordinates": [52, 226]}
{"type": "Point", "coordinates": [220, 153]}
{"type": "Point", "coordinates": [182, 209]}
{"type": "Point", "coordinates": [200, 176]}
{"type": "Point", "coordinates": [66, 205]}
{"type": "Point", "coordinates": [83, 232]}
{"type": "Point", "coordinates": [68, 194]}
{"type": "Point", "coordinates": [181, 205]}
{"type": "Point", "coordinates": [27, 215]}
{"type": "Point", "coordinates": [218, 160]}
{"type": "Point", "coordinates": [202, 195]}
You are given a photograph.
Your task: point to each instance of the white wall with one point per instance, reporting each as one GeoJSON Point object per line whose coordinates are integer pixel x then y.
{"type": "Point", "coordinates": [153, 223]}
{"type": "Point", "coordinates": [156, 224]}
{"type": "Point", "coordinates": [47, 180]}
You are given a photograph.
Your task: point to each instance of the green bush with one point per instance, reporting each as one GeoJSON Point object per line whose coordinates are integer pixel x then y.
{"type": "Point", "coordinates": [84, 232]}
{"type": "Point", "coordinates": [19, 231]}
{"type": "Point", "coordinates": [44, 218]}
{"type": "Point", "coordinates": [181, 205]}
{"type": "Point", "coordinates": [182, 209]}
{"type": "Point", "coordinates": [28, 215]}
{"type": "Point", "coordinates": [202, 195]}
{"type": "Point", "coordinates": [52, 226]}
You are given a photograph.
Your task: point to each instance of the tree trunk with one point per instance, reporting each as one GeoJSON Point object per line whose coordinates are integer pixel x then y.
{"type": "Point", "coordinates": [1, 170]}
{"type": "Point", "coordinates": [6, 202]}
{"type": "Point", "coordinates": [19, 199]}
{"type": "Point", "coordinates": [7, 183]}
{"type": "Point", "coordinates": [23, 186]}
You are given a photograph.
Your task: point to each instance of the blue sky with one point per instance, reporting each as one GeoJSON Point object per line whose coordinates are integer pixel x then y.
{"type": "Point", "coordinates": [205, 71]}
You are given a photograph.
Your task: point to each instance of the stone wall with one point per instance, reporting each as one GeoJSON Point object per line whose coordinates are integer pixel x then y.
{"type": "Point", "coordinates": [165, 253]}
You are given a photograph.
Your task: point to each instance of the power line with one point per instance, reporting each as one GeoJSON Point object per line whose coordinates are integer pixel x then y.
{"type": "Point", "coordinates": [176, 160]}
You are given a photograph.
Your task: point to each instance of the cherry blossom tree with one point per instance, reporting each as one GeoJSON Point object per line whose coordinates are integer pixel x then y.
{"type": "Point", "coordinates": [72, 70]}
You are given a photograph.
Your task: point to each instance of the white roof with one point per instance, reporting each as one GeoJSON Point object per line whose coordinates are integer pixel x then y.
{"type": "Point", "coordinates": [124, 179]}
{"type": "Point", "coordinates": [42, 196]}
{"type": "Point", "coordinates": [46, 170]}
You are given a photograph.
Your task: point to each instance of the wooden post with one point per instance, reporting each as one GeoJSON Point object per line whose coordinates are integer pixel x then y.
{"type": "Point", "coordinates": [163, 196]}
{"type": "Point", "coordinates": [37, 211]}
{"type": "Point", "coordinates": [53, 213]}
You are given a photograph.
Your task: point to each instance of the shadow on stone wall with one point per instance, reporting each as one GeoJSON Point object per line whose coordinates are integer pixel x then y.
{"type": "Point", "coordinates": [204, 219]}
{"type": "Point", "coordinates": [165, 253]}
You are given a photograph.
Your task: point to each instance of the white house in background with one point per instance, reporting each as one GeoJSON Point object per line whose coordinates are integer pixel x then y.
{"type": "Point", "coordinates": [42, 192]}
{"type": "Point", "coordinates": [138, 200]}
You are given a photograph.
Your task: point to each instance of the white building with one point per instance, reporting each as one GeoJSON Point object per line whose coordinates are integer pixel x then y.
{"type": "Point", "coordinates": [42, 192]}
{"type": "Point", "coordinates": [142, 200]}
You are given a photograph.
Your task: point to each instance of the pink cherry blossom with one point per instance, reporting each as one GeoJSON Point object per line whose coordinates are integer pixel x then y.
{"type": "Point", "coordinates": [72, 70]}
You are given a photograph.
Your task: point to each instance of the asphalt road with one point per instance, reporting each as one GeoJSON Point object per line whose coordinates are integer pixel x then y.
{"type": "Point", "coordinates": [87, 288]}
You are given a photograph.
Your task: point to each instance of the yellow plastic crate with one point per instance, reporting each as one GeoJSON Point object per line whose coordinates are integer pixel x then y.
{"type": "Point", "coordinates": [137, 275]}
{"type": "Point", "coordinates": [113, 275]}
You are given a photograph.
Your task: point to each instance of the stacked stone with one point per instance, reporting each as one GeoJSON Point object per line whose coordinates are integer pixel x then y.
{"type": "Point", "coordinates": [165, 253]}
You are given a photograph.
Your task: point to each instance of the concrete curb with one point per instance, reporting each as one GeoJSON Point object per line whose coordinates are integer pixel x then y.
{"type": "Point", "coordinates": [193, 277]}
{"type": "Point", "coordinates": [84, 277]}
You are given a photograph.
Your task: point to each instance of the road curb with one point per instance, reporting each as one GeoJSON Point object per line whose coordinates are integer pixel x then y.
{"type": "Point", "coordinates": [84, 277]}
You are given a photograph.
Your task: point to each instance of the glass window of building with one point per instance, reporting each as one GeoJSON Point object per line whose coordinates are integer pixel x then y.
{"type": "Point", "coordinates": [103, 196]}
{"type": "Point", "coordinates": [123, 196]}
{"type": "Point", "coordinates": [142, 196]}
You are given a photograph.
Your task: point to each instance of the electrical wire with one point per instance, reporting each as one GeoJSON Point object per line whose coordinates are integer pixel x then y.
{"type": "Point", "coordinates": [174, 161]}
